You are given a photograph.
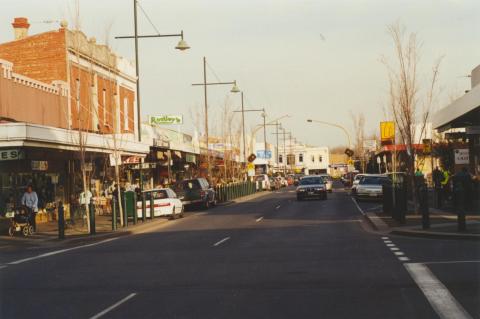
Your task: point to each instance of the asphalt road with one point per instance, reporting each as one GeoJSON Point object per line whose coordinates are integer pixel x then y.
{"type": "Point", "coordinates": [272, 257]}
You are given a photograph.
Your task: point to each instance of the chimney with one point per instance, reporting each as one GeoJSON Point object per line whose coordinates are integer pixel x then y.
{"type": "Point", "coordinates": [20, 28]}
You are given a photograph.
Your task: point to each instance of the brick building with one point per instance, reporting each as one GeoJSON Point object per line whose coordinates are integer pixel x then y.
{"type": "Point", "coordinates": [101, 84]}
{"type": "Point", "coordinates": [58, 88]}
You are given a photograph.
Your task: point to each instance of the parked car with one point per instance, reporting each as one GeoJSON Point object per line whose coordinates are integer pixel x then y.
{"type": "Point", "coordinates": [329, 182]}
{"type": "Point", "coordinates": [347, 179]}
{"type": "Point", "coordinates": [196, 191]}
{"type": "Point", "coordinates": [165, 203]}
{"type": "Point", "coordinates": [274, 183]}
{"type": "Point", "coordinates": [262, 181]}
{"type": "Point", "coordinates": [283, 181]}
{"type": "Point", "coordinates": [311, 186]}
{"type": "Point", "coordinates": [370, 187]}
{"type": "Point", "coordinates": [355, 182]}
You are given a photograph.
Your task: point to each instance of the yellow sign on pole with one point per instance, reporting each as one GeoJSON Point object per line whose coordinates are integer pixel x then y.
{"type": "Point", "coordinates": [387, 131]}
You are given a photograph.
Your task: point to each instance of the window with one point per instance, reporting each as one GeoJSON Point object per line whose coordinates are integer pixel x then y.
{"type": "Point", "coordinates": [280, 158]}
{"type": "Point", "coordinates": [300, 158]}
{"type": "Point", "coordinates": [320, 158]}
{"type": "Point", "coordinates": [104, 104]}
{"type": "Point", "coordinates": [77, 89]}
{"type": "Point", "coordinates": [125, 113]}
{"type": "Point", "coordinates": [313, 158]}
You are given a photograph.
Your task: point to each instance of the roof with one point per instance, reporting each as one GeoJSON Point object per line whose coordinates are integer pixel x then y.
{"type": "Point", "coordinates": [460, 112]}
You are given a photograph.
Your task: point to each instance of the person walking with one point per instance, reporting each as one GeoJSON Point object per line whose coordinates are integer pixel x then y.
{"type": "Point", "coordinates": [30, 201]}
{"type": "Point", "coordinates": [445, 184]}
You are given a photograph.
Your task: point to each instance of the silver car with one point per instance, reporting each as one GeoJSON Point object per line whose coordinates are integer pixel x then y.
{"type": "Point", "coordinates": [328, 182]}
{"type": "Point", "coordinates": [370, 187]}
{"type": "Point", "coordinates": [311, 186]}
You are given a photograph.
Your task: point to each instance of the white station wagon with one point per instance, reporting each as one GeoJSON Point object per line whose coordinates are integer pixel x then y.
{"type": "Point", "coordinates": [165, 203]}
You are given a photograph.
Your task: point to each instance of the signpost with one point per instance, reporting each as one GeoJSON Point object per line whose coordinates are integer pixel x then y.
{"type": "Point", "coordinates": [165, 119]}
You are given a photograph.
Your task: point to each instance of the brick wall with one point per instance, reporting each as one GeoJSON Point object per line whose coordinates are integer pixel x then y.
{"type": "Point", "coordinates": [41, 56]}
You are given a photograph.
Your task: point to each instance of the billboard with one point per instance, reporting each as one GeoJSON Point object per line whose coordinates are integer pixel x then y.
{"type": "Point", "coordinates": [165, 119]}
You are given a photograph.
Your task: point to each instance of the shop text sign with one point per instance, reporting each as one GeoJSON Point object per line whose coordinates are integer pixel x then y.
{"type": "Point", "coordinates": [462, 156]}
{"type": "Point", "coordinates": [387, 131]}
{"type": "Point", "coordinates": [165, 119]}
{"type": "Point", "coordinates": [10, 155]}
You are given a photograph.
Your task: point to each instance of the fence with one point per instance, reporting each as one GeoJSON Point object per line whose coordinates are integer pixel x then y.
{"type": "Point", "coordinates": [232, 191]}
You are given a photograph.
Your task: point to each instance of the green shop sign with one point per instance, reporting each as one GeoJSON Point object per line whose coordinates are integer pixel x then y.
{"type": "Point", "coordinates": [165, 119]}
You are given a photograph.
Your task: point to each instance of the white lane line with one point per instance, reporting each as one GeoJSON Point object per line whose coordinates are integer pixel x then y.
{"type": "Point", "coordinates": [56, 252]}
{"type": "Point", "coordinates": [387, 241]}
{"type": "Point", "coordinates": [259, 219]}
{"type": "Point", "coordinates": [442, 301]}
{"type": "Point", "coordinates": [398, 253]}
{"type": "Point", "coordinates": [452, 262]}
{"type": "Point", "coordinates": [221, 241]}
{"type": "Point", "coordinates": [403, 258]}
{"type": "Point", "coordinates": [390, 245]}
{"type": "Point", "coordinates": [394, 248]}
{"type": "Point", "coordinates": [3, 266]}
{"type": "Point", "coordinates": [384, 237]}
{"type": "Point", "coordinates": [358, 206]}
{"type": "Point", "coordinates": [115, 305]}
{"type": "Point", "coordinates": [277, 207]}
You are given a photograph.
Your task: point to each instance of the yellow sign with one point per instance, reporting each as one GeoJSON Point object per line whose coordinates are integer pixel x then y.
{"type": "Point", "coordinates": [387, 131]}
{"type": "Point", "coordinates": [250, 166]}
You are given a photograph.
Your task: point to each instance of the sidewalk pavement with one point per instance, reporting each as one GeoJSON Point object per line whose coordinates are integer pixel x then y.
{"type": "Point", "coordinates": [443, 224]}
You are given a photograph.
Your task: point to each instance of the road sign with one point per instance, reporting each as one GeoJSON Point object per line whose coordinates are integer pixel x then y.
{"type": "Point", "coordinates": [264, 154]}
{"type": "Point", "coordinates": [349, 152]}
{"type": "Point", "coordinates": [251, 157]}
{"type": "Point", "coordinates": [370, 145]}
{"type": "Point", "coordinates": [387, 131]}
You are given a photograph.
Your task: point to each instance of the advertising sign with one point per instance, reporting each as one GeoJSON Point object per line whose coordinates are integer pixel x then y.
{"type": "Point", "coordinates": [39, 165]}
{"type": "Point", "coordinates": [165, 119]}
{"type": "Point", "coordinates": [370, 145]}
{"type": "Point", "coordinates": [387, 131]}
{"type": "Point", "coordinates": [461, 156]}
{"type": "Point", "coordinates": [9, 155]}
{"type": "Point", "coordinates": [264, 154]}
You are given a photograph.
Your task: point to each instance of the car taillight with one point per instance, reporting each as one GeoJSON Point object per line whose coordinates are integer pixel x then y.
{"type": "Point", "coordinates": [202, 193]}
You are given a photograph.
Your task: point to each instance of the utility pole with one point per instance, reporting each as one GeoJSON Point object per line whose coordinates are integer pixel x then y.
{"type": "Point", "coordinates": [243, 132]}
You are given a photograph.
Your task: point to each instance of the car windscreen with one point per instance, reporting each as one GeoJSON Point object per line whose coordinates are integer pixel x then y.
{"type": "Point", "coordinates": [373, 180]}
{"type": "Point", "coordinates": [190, 184]}
{"type": "Point", "coordinates": [311, 181]}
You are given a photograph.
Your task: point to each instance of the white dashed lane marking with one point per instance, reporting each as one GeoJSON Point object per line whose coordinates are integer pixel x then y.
{"type": "Point", "coordinates": [221, 241]}
{"type": "Point", "coordinates": [259, 219]}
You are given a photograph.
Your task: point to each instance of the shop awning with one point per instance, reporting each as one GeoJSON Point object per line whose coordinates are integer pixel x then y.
{"type": "Point", "coordinates": [463, 112]}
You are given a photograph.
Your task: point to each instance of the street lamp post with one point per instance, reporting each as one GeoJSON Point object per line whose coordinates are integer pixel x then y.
{"type": "Point", "coordinates": [182, 46]}
{"type": "Point", "coordinates": [335, 125]}
{"type": "Point", "coordinates": [205, 84]}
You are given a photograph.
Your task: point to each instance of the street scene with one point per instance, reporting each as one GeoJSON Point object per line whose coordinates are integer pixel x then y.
{"type": "Point", "coordinates": [290, 159]}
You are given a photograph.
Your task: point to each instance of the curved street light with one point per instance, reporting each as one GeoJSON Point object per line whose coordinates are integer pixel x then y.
{"type": "Point", "coordinates": [337, 126]}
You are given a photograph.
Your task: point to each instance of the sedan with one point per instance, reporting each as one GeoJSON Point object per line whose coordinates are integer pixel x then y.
{"type": "Point", "coordinates": [311, 186]}
{"type": "Point", "coordinates": [371, 187]}
{"type": "Point", "coordinates": [165, 203]}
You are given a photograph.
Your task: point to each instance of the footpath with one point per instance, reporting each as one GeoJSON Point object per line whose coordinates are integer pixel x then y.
{"type": "Point", "coordinates": [47, 232]}
{"type": "Point", "coordinates": [443, 224]}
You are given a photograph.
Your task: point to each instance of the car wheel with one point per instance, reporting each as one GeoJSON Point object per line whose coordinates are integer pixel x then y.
{"type": "Point", "coordinates": [30, 230]}
{"type": "Point", "coordinates": [25, 231]}
{"type": "Point", "coordinates": [182, 213]}
{"type": "Point", "coordinates": [11, 231]}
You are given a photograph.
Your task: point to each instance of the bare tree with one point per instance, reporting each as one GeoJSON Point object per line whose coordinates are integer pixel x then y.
{"type": "Point", "coordinates": [358, 120]}
{"type": "Point", "coordinates": [409, 108]}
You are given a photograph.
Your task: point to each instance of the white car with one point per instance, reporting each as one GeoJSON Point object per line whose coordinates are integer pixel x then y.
{"type": "Point", "coordinates": [165, 203]}
{"type": "Point", "coordinates": [355, 182]}
{"type": "Point", "coordinates": [262, 181]}
{"type": "Point", "coordinates": [328, 182]}
{"type": "Point", "coordinates": [371, 187]}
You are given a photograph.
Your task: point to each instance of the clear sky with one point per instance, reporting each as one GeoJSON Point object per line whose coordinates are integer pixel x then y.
{"type": "Point", "coordinates": [307, 58]}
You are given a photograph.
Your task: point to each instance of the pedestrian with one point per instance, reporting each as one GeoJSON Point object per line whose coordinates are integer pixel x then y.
{"type": "Point", "coordinates": [445, 184]}
{"type": "Point", "coordinates": [84, 201]}
{"type": "Point", "coordinates": [30, 201]}
{"type": "Point", "coordinates": [462, 183]}
{"type": "Point", "coordinates": [437, 177]}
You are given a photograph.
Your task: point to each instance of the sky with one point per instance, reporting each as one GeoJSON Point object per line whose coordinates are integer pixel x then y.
{"type": "Point", "coordinates": [306, 58]}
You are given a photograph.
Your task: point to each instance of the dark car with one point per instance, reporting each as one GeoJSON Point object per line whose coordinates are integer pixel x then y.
{"type": "Point", "coordinates": [196, 191]}
{"type": "Point", "coordinates": [311, 186]}
{"type": "Point", "coordinates": [296, 179]}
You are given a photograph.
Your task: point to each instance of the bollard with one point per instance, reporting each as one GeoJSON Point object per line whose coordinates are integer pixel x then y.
{"type": "Point", "coordinates": [61, 221]}
{"type": "Point", "coordinates": [134, 209]}
{"type": "Point", "coordinates": [125, 215]}
{"type": "Point", "coordinates": [114, 213]}
{"type": "Point", "coordinates": [91, 210]}
{"type": "Point", "coordinates": [144, 208]}
{"type": "Point", "coordinates": [152, 206]}
{"type": "Point", "coordinates": [460, 207]}
{"type": "Point", "coordinates": [423, 192]}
